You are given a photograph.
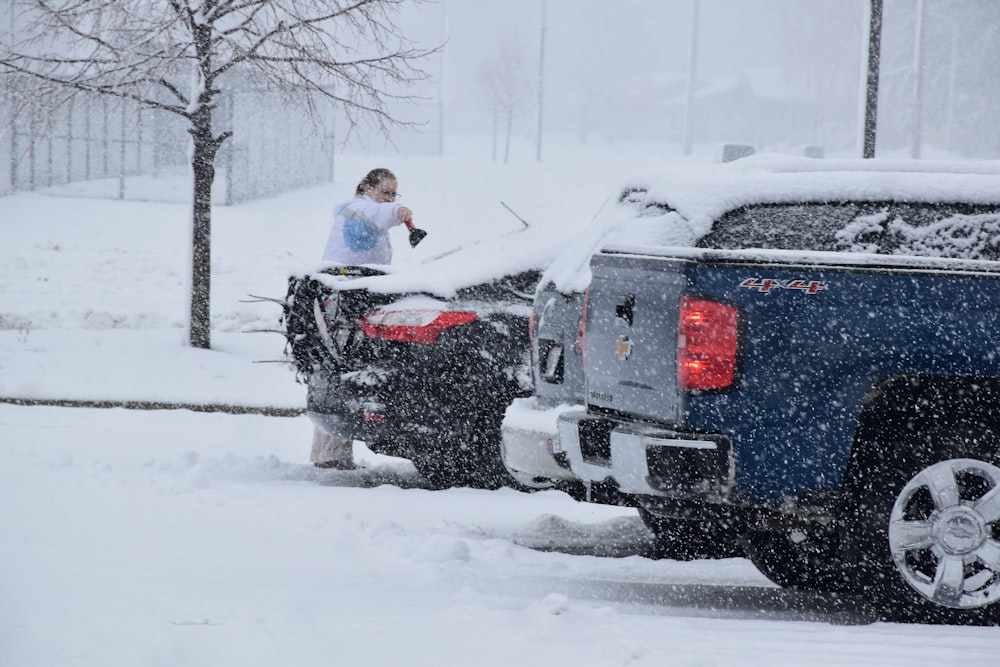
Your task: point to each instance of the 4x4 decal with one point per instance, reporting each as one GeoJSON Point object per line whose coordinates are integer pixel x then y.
{"type": "Point", "coordinates": [766, 285]}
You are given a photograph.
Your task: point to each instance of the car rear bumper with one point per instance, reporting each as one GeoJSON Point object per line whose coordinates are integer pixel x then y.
{"type": "Point", "coordinates": [643, 459]}
{"type": "Point", "coordinates": [530, 442]}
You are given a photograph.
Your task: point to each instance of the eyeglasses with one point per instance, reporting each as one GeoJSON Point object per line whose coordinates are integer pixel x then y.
{"type": "Point", "coordinates": [388, 194]}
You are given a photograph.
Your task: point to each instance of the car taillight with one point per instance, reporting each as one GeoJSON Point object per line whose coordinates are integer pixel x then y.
{"type": "Point", "coordinates": [412, 326]}
{"type": "Point", "coordinates": [579, 345]}
{"type": "Point", "coordinates": [707, 345]}
{"type": "Point", "coordinates": [531, 327]}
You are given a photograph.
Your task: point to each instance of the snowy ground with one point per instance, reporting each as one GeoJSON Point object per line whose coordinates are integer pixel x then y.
{"type": "Point", "coordinates": [182, 538]}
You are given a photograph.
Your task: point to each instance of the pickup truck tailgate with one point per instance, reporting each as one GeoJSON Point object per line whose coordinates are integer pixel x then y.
{"type": "Point", "coordinates": [632, 321]}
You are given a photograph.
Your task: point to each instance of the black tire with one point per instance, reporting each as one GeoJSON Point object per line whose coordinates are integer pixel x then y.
{"type": "Point", "coordinates": [435, 466]}
{"type": "Point", "coordinates": [795, 559]}
{"type": "Point", "coordinates": [927, 531]}
{"type": "Point", "coordinates": [470, 458]}
{"type": "Point", "coordinates": [690, 539]}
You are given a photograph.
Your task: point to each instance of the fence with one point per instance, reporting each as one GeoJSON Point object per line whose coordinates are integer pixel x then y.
{"type": "Point", "coordinates": [274, 148]}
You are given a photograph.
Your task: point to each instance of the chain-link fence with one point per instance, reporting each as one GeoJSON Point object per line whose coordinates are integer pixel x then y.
{"type": "Point", "coordinates": [275, 147]}
{"type": "Point", "coordinates": [46, 143]}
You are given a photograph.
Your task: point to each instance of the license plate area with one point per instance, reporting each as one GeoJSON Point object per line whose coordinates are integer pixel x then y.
{"type": "Point", "coordinates": [551, 361]}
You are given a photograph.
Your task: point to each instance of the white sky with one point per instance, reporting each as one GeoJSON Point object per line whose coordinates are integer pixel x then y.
{"type": "Point", "coordinates": [605, 63]}
{"type": "Point", "coordinates": [594, 43]}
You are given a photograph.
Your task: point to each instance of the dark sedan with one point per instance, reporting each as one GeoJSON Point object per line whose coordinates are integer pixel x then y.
{"type": "Point", "coordinates": [414, 374]}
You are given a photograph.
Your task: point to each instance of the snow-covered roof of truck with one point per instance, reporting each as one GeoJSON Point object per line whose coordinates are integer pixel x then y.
{"type": "Point", "coordinates": [701, 193]}
{"type": "Point", "coordinates": [677, 206]}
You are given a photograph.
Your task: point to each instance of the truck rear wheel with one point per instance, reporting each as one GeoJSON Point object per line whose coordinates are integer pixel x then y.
{"type": "Point", "coordinates": [928, 535]}
{"type": "Point", "coordinates": [796, 559]}
{"type": "Point", "coordinates": [690, 539]}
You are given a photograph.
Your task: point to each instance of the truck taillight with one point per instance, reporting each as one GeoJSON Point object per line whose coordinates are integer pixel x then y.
{"type": "Point", "coordinates": [412, 325]}
{"type": "Point", "coordinates": [707, 345]}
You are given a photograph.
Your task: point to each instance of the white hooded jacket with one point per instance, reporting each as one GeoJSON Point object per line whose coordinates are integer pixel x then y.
{"type": "Point", "coordinates": [360, 232]}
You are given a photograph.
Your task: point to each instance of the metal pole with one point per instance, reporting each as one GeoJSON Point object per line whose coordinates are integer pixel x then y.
{"type": "Point", "coordinates": [138, 140]}
{"type": "Point", "coordinates": [12, 108]}
{"type": "Point", "coordinates": [918, 73]}
{"type": "Point", "coordinates": [106, 137]}
{"type": "Point", "coordinates": [87, 138]}
{"type": "Point", "coordinates": [541, 82]}
{"type": "Point", "coordinates": [69, 139]}
{"type": "Point", "coordinates": [50, 139]}
{"type": "Point", "coordinates": [441, 72]}
{"type": "Point", "coordinates": [692, 74]}
{"type": "Point", "coordinates": [32, 140]}
{"type": "Point", "coordinates": [11, 96]}
{"type": "Point", "coordinates": [952, 76]}
{"type": "Point", "coordinates": [229, 104]}
{"type": "Point", "coordinates": [871, 87]}
{"type": "Point", "coordinates": [332, 143]}
{"type": "Point", "coordinates": [122, 153]}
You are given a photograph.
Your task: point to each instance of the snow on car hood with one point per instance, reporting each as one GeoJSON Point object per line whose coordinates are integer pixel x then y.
{"type": "Point", "coordinates": [479, 262]}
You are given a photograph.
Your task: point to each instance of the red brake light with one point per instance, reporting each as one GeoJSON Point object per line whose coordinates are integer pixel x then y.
{"type": "Point", "coordinates": [707, 344]}
{"type": "Point", "coordinates": [412, 326]}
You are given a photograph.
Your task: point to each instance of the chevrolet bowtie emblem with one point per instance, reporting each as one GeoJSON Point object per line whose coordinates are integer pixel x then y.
{"type": "Point", "coordinates": [623, 347]}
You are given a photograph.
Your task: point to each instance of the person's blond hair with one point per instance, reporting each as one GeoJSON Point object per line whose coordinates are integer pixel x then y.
{"type": "Point", "coordinates": [373, 178]}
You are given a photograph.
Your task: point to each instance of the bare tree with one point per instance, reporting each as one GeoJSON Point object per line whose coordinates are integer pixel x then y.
{"type": "Point", "coordinates": [177, 55]}
{"type": "Point", "coordinates": [507, 86]}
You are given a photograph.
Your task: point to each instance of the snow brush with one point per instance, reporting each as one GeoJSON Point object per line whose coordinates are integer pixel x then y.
{"type": "Point", "coordinates": [416, 235]}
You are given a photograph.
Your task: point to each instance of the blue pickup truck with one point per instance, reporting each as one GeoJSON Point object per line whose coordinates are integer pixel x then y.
{"type": "Point", "coordinates": [816, 376]}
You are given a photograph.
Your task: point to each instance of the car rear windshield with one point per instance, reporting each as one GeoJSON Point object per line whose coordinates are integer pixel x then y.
{"type": "Point", "coordinates": [890, 228]}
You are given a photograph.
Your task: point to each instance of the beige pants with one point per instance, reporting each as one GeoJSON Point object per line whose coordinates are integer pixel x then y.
{"type": "Point", "coordinates": [328, 448]}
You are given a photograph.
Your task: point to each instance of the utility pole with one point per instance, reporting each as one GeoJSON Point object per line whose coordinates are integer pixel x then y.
{"type": "Point", "coordinates": [541, 82]}
{"type": "Point", "coordinates": [918, 73]}
{"type": "Point", "coordinates": [441, 65]}
{"type": "Point", "coordinates": [692, 75]}
{"type": "Point", "coordinates": [871, 87]}
{"type": "Point", "coordinates": [952, 77]}
{"type": "Point", "coordinates": [11, 109]}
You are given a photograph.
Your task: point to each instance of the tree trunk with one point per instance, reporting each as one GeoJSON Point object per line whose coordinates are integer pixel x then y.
{"type": "Point", "coordinates": [203, 167]}
{"type": "Point", "coordinates": [203, 172]}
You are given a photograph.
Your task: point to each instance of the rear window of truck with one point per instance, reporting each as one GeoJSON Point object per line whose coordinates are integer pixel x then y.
{"type": "Point", "coordinates": [892, 228]}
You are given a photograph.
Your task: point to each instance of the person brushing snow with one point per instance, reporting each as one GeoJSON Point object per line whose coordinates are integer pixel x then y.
{"type": "Point", "coordinates": [360, 228]}
{"type": "Point", "coordinates": [360, 235]}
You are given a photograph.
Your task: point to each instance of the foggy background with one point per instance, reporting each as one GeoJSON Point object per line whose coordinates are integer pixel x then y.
{"type": "Point", "coordinates": [774, 75]}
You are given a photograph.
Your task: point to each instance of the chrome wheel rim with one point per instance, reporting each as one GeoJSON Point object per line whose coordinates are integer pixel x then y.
{"type": "Point", "coordinates": [944, 533]}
